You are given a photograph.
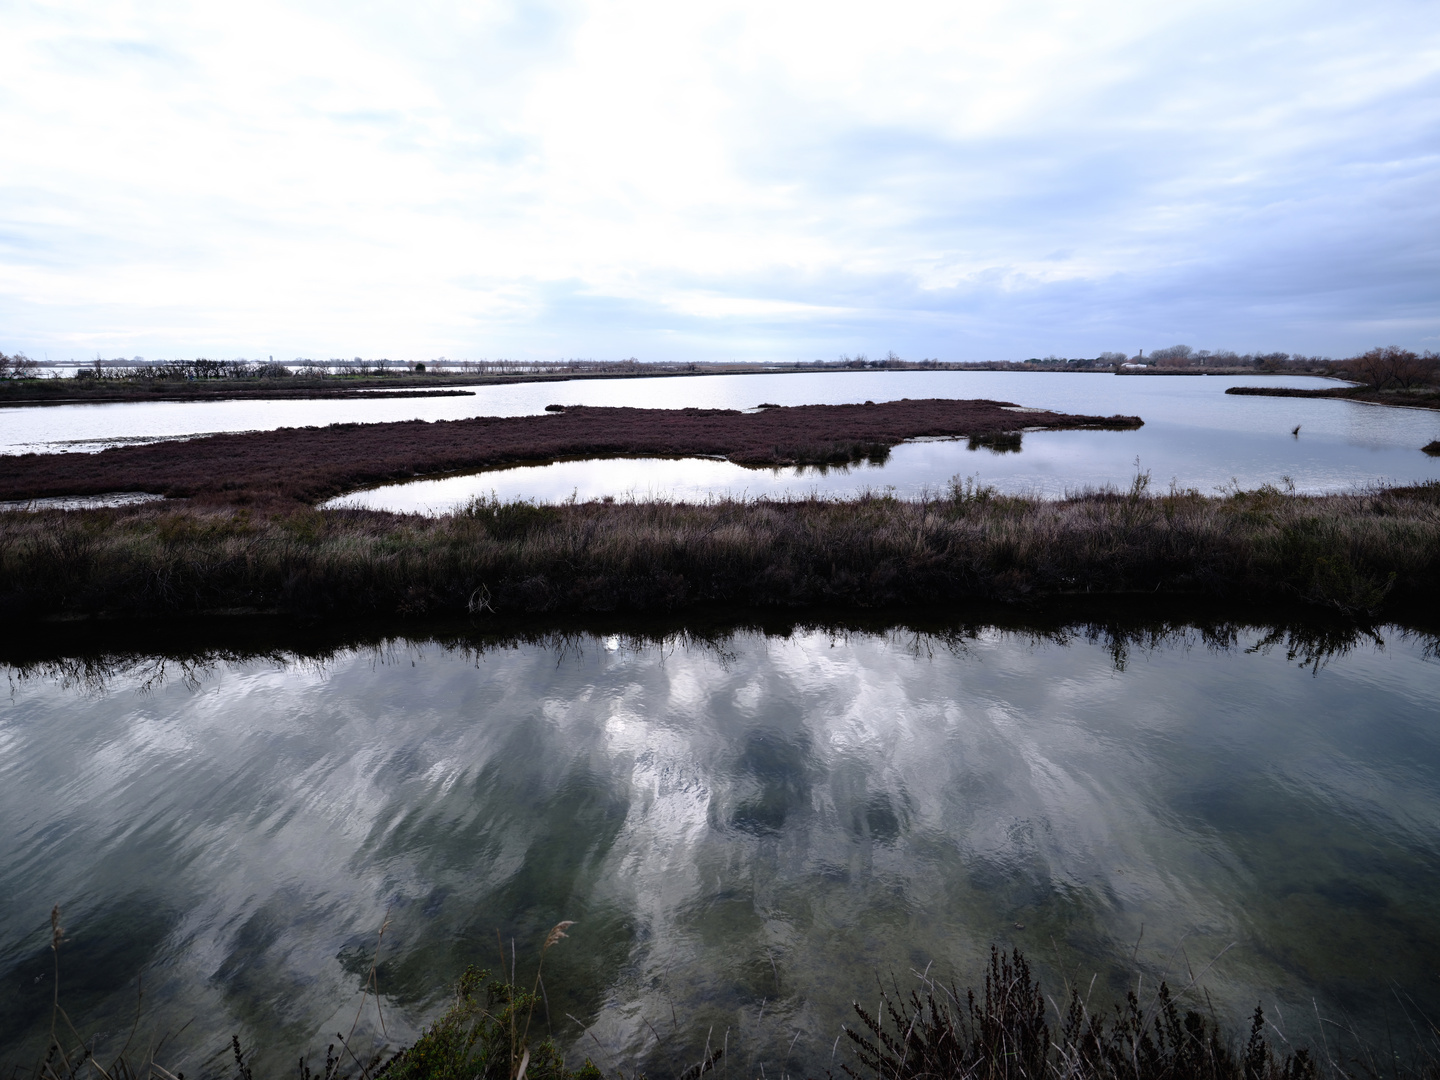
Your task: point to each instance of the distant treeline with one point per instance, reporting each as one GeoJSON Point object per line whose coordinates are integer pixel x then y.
{"type": "Point", "coordinates": [138, 368]}
{"type": "Point", "coordinates": [1381, 368]}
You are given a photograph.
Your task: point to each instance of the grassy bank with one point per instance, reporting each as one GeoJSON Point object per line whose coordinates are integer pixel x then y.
{"type": "Point", "coordinates": [1362, 554]}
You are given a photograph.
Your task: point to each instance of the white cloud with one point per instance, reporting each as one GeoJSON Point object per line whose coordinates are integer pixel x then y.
{"type": "Point", "coordinates": [765, 179]}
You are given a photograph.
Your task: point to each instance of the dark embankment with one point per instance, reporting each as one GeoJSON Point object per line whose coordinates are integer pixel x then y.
{"type": "Point", "coordinates": [1362, 553]}
{"type": "Point", "coordinates": [1425, 398]}
{"type": "Point", "coordinates": [112, 391]}
{"type": "Point", "coordinates": [311, 463]}
{"type": "Point", "coordinates": [95, 652]}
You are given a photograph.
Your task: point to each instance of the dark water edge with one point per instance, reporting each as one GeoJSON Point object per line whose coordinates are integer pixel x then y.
{"type": "Point", "coordinates": [91, 656]}
{"type": "Point", "coordinates": [1123, 623]}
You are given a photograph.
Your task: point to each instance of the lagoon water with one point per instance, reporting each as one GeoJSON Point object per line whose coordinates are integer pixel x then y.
{"type": "Point", "coordinates": [1194, 435]}
{"type": "Point", "coordinates": [746, 829]}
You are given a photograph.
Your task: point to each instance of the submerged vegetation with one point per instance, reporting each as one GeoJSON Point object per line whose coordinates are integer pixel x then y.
{"type": "Point", "coordinates": [1363, 554]}
{"type": "Point", "coordinates": [1006, 1034]}
{"type": "Point", "coordinates": [1010, 1030]}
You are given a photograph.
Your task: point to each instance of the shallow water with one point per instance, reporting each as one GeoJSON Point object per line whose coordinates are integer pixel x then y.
{"type": "Point", "coordinates": [1194, 435]}
{"type": "Point", "coordinates": [746, 830]}
{"type": "Point", "coordinates": [1050, 464]}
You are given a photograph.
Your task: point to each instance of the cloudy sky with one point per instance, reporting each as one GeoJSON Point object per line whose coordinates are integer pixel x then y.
{"type": "Point", "coordinates": [749, 179]}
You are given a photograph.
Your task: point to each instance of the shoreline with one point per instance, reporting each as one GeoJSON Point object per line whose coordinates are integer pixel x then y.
{"type": "Point", "coordinates": [107, 391]}
{"type": "Point", "coordinates": [1123, 621]}
{"type": "Point", "coordinates": [1395, 399]}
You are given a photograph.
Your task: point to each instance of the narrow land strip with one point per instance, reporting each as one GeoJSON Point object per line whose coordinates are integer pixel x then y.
{"type": "Point", "coordinates": [1364, 555]}
{"type": "Point", "coordinates": [309, 464]}
{"type": "Point", "coordinates": [1415, 398]}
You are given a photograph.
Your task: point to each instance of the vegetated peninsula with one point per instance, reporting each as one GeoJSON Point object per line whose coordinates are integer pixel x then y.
{"type": "Point", "coordinates": [308, 464]}
{"type": "Point", "coordinates": [240, 532]}
{"type": "Point", "coordinates": [1388, 376]}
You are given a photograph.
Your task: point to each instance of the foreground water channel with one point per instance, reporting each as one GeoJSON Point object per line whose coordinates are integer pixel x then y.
{"type": "Point", "coordinates": [747, 829]}
{"type": "Point", "coordinates": [1195, 436]}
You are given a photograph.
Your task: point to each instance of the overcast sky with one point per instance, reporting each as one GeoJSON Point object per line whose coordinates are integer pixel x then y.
{"type": "Point", "coordinates": [760, 179]}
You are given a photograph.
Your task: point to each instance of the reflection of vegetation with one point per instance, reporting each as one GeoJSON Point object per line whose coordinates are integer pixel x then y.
{"type": "Point", "coordinates": [92, 659]}
{"type": "Point", "coordinates": [1314, 646]}
{"type": "Point", "coordinates": [1000, 442]}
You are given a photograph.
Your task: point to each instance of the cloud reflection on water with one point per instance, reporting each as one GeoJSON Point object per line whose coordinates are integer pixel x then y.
{"type": "Point", "coordinates": [768, 822]}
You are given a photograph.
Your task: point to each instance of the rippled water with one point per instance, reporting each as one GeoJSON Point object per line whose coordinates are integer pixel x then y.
{"type": "Point", "coordinates": [746, 829]}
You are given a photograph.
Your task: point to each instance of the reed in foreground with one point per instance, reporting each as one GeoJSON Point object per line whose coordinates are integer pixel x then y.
{"type": "Point", "coordinates": [1006, 1034]}
{"type": "Point", "coordinates": [1010, 1030]}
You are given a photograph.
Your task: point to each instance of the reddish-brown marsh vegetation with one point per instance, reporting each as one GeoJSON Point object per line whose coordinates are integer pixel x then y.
{"type": "Point", "coordinates": [308, 464]}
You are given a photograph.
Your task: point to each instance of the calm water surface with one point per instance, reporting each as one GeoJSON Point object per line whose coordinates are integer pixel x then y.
{"type": "Point", "coordinates": [1194, 435]}
{"type": "Point", "coordinates": [746, 831]}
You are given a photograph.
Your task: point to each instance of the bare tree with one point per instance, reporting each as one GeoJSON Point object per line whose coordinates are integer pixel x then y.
{"type": "Point", "coordinates": [18, 366]}
{"type": "Point", "coordinates": [1392, 368]}
{"type": "Point", "coordinates": [1174, 356]}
